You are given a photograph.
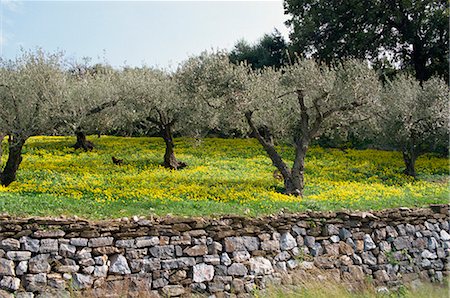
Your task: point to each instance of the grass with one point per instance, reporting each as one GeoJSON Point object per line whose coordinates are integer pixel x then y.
{"type": "Point", "coordinates": [225, 176]}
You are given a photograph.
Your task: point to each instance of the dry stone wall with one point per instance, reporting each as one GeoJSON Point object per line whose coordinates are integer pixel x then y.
{"type": "Point", "coordinates": [226, 257]}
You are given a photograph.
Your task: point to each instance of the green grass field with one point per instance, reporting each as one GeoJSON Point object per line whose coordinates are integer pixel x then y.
{"type": "Point", "coordinates": [225, 176]}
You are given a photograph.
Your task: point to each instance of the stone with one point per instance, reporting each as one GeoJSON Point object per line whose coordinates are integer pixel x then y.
{"type": "Point", "coordinates": [18, 255]}
{"type": "Point", "coordinates": [225, 259]}
{"type": "Point", "coordinates": [79, 242]}
{"type": "Point", "coordinates": [82, 281]}
{"type": "Point", "coordinates": [403, 242]}
{"type": "Point", "coordinates": [356, 259]}
{"type": "Point", "coordinates": [169, 264]}
{"type": "Point", "coordinates": [233, 244]}
{"type": "Point", "coordinates": [260, 266]}
{"type": "Point", "coordinates": [410, 229]}
{"type": "Point", "coordinates": [10, 244]}
{"type": "Point", "coordinates": [22, 295]}
{"type": "Point", "coordinates": [5, 294]}
{"type": "Point", "coordinates": [151, 265]}
{"type": "Point", "coordinates": [119, 265]}
{"type": "Point", "coordinates": [381, 275]}
{"type": "Point", "coordinates": [344, 234]}
{"type": "Point", "coordinates": [67, 250]}
{"type": "Point", "coordinates": [401, 230]}
{"type": "Point", "coordinates": [107, 250]}
{"type": "Point", "coordinates": [197, 250]}
{"type": "Point", "coordinates": [287, 242]}
{"type": "Point", "coordinates": [185, 262]}
{"type": "Point", "coordinates": [305, 265]}
{"type": "Point", "coordinates": [429, 226]}
{"type": "Point", "coordinates": [212, 259]}
{"type": "Point", "coordinates": [368, 258]}
{"type": "Point", "coordinates": [6, 267]}
{"type": "Point", "coordinates": [241, 256]}
{"type": "Point", "coordinates": [178, 276]}
{"type": "Point", "coordinates": [251, 243]}
{"type": "Point", "coordinates": [48, 245]}
{"type": "Point", "coordinates": [202, 272]}
{"type": "Point", "coordinates": [331, 229]}
{"type": "Point", "coordinates": [100, 271]}
{"type": "Point", "coordinates": [324, 262]}
{"type": "Point", "coordinates": [160, 283]}
{"type": "Point", "coordinates": [173, 290]}
{"type": "Point", "coordinates": [10, 283]}
{"type": "Point", "coordinates": [444, 235]}
{"type": "Point", "coordinates": [298, 231]}
{"type": "Point", "coordinates": [39, 264]}
{"type": "Point", "coordinates": [345, 249]}
{"type": "Point", "coordinates": [88, 270]}
{"type": "Point", "coordinates": [35, 282]}
{"type": "Point", "coordinates": [428, 255]}
{"type": "Point", "coordinates": [317, 250]}
{"type": "Point", "coordinates": [67, 268]}
{"type": "Point", "coordinates": [346, 260]}
{"type": "Point", "coordinates": [368, 242]}
{"type": "Point", "coordinates": [356, 272]}
{"type": "Point", "coordinates": [220, 270]}
{"type": "Point", "coordinates": [30, 244]}
{"type": "Point", "coordinates": [49, 234]}
{"type": "Point", "coordinates": [332, 249]}
{"type": "Point", "coordinates": [391, 232]}
{"type": "Point", "coordinates": [100, 241]}
{"type": "Point", "coordinates": [270, 245]}
{"type": "Point", "coordinates": [163, 252]}
{"type": "Point", "coordinates": [86, 262]}
{"type": "Point", "coordinates": [385, 246]}
{"type": "Point", "coordinates": [21, 268]}
{"type": "Point", "coordinates": [425, 264]}
{"type": "Point", "coordinates": [310, 241]}
{"type": "Point", "coordinates": [237, 269]}
{"type": "Point", "coordinates": [292, 264]}
{"type": "Point", "coordinates": [127, 243]}
{"type": "Point", "coordinates": [215, 248]}
{"type": "Point", "coordinates": [432, 243]}
{"type": "Point", "coordinates": [282, 256]}
{"type": "Point", "coordinates": [147, 241]}
{"type": "Point", "coordinates": [136, 253]}
{"type": "Point", "coordinates": [335, 239]}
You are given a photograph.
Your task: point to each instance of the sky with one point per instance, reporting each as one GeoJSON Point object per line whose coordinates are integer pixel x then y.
{"type": "Point", "coordinates": [133, 33]}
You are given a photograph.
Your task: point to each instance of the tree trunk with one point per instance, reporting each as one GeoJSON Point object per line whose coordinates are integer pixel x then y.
{"type": "Point", "coordinates": [291, 185]}
{"type": "Point", "coordinates": [419, 60]}
{"type": "Point", "coordinates": [170, 161]}
{"type": "Point", "coordinates": [8, 175]}
{"type": "Point", "coordinates": [410, 162]}
{"type": "Point", "coordinates": [2, 136]}
{"type": "Point", "coordinates": [82, 142]}
{"type": "Point", "coordinates": [298, 169]}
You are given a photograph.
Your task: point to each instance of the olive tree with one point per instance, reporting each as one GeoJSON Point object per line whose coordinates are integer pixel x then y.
{"type": "Point", "coordinates": [91, 94]}
{"type": "Point", "coordinates": [414, 118]}
{"type": "Point", "coordinates": [295, 104]}
{"type": "Point", "coordinates": [153, 100]}
{"type": "Point", "coordinates": [32, 87]}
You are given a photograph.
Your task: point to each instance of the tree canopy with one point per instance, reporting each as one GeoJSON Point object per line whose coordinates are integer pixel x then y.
{"type": "Point", "coordinates": [270, 50]}
{"type": "Point", "coordinates": [412, 35]}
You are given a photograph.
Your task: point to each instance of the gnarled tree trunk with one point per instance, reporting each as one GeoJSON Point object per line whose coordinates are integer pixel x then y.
{"type": "Point", "coordinates": [170, 161]}
{"type": "Point", "coordinates": [82, 142]}
{"type": "Point", "coordinates": [293, 179]}
{"type": "Point", "coordinates": [410, 163]}
{"type": "Point", "coordinates": [15, 144]}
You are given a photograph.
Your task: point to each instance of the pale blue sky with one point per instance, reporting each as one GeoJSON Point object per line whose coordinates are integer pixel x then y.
{"type": "Point", "coordinates": [157, 33]}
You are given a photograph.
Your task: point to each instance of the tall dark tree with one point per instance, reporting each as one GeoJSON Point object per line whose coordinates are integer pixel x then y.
{"type": "Point", "coordinates": [270, 50]}
{"type": "Point", "coordinates": [412, 33]}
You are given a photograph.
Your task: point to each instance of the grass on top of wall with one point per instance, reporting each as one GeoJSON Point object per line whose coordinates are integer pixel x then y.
{"type": "Point", "coordinates": [224, 176]}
